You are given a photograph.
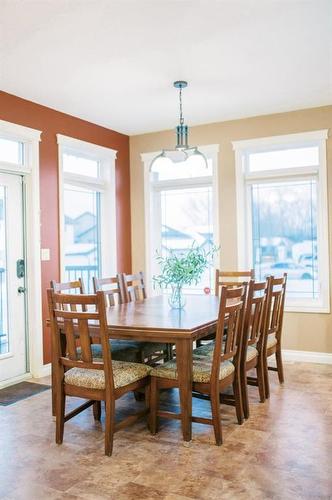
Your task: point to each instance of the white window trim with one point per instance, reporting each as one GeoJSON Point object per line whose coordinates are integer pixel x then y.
{"type": "Point", "coordinates": [105, 184]}
{"type": "Point", "coordinates": [243, 204]}
{"type": "Point", "coordinates": [30, 171]}
{"type": "Point", "coordinates": [210, 151]}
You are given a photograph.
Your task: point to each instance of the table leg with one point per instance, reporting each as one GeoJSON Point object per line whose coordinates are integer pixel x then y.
{"type": "Point", "coordinates": [184, 350]}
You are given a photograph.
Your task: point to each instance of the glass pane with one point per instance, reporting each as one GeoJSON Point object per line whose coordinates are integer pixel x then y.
{"type": "Point", "coordinates": [82, 234]}
{"type": "Point", "coordinates": [80, 165]}
{"type": "Point", "coordinates": [4, 334]}
{"type": "Point", "coordinates": [285, 158]}
{"type": "Point", "coordinates": [165, 169]}
{"type": "Point", "coordinates": [11, 151]}
{"type": "Point", "coordinates": [284, 220]}
{"type": "Point", "coordinates": [187, 217]}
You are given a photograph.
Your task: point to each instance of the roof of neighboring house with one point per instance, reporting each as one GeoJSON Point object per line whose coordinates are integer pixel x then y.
{"type": "Point", "coordinates": [170, 232]}
{"type": "Point", "coordinates": [79, 235]}
{"type": "Point", "coordinates": [80, 249]}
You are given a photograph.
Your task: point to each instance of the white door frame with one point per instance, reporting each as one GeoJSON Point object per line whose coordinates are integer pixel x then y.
{"type": "Point", "coordinates": [30, 172]}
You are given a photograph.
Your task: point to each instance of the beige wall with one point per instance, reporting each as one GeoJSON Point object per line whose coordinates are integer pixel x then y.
{"type": "Point", "coordinates": [302, 331]}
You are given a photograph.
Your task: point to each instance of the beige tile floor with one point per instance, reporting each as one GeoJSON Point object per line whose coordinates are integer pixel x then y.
{"type": "Point", "coordinates": [284, 451]}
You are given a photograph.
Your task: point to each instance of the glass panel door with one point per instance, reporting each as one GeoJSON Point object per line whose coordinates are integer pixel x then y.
{"type": "Point", "coordinates": [12, 279]}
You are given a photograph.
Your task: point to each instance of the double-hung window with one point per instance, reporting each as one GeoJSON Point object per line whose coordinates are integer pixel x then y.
{"type": "Point", "coordinates": [282, 214]}
{"type": "Point", "coordinates": [181, 207]}
{"type": "Point", "coordinates": [88, 239]}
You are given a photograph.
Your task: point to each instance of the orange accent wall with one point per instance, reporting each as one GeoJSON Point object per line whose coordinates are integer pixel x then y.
{"type": "Point", "coordinates": [51, 122]}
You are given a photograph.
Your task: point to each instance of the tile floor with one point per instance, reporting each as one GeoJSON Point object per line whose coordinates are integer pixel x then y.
{"type": "Point", "coordinates": [284, 451]}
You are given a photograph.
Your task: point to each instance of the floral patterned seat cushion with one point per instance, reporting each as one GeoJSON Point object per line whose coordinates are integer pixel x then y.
{"type": "Point", "coordinates": [201, 369]}
{"type": "Point", "coordinates": [126, 350]}
{"type": "Point", "coordinates": [271, 340]}
{"type": "Point", "coordinates": [205, 350]}
{"type": "Point", "coordinates": [124, 373]}
{"type": "Point", "coordinates": [251, 353]}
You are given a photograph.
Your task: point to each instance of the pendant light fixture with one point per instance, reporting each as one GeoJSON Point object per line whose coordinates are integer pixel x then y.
{"type": "Point", "coordinates": [182, 150]}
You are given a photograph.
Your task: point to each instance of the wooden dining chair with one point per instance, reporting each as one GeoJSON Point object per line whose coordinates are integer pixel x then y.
{"type": "Point", "coordinates": [275, 315]}
{"type": "Point", "coordinates": [133, 289]}
{"type": "Point", "coordinates": [122, 350]}
{"type": "Point", "coordinates": [231, 278]}
{"type": "Point", "coordinates": [103, 380]}
{"type": "Point", "coordinates": [253, 344]}
{"type": "Point", "coordinates": [210, 376]}
{"type": "Point", "coordinates": [76, 286]}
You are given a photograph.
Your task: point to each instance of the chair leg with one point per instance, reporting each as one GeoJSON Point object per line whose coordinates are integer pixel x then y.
{"type": "Point", "coordinates": [109, 426]}
{"type": "Point", "coordinates": [60, 402]}
{"type": "Point", "coordinates": [244, 394]}
{"type": "Point", "coordinates": [280, 365]}
{"type": "Point", "coordinates": [260, 380]}
{"type": "Point", "coordinates": [53, 393]}
{"type": "Point", "coordinates": [238, 399]}
{"type": "Point", "coordinates": [169, 352]}
{"type": "Point", "coordinates": [154, 403]}
{"type": "Point", "coordinates": [97, 410]}
{"type": "Point", "coordinates": [266, 379]}
{"type": "Point", "coordinates": [147, 402]}
{"type": "Point", "coordinates": [216, 420]}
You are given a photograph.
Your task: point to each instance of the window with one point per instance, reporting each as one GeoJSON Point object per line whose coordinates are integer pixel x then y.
{"type": "Point", "coordinates": [11, 151]}
{"type": "Point", "coordinates": [181, 210]}
{"type": "Point", "coordinates": [282, 214]}
{"type": "Point", "coordinates": [88, 210]}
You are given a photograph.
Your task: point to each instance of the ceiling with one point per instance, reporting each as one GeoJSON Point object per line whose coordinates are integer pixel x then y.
{"type": "Point", "coordinates": [113, 62]}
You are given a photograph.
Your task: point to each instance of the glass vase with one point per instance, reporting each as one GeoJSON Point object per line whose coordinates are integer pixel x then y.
{"type": "Point", "coordinates": [177, 300]}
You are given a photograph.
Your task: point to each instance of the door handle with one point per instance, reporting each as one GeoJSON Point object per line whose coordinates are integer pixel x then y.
{"type": "Point", "coordinates": [21, 289]}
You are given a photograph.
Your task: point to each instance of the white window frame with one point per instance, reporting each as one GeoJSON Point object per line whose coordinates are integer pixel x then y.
{"type": "Point", "coordinates": [104, 183]}
{"type": "Point", "coordinates": [29, 169]}
{"type": "Point", "coordinates": [152, 241]}
{"type": "Point", "coordinates": [244, 179]}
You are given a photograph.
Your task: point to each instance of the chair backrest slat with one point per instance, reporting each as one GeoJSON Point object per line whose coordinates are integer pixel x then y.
{"type": "Point", "coordinates": [70, 338]}
{"type": "Point", "coordinates": [83, 328]}
{"type": "Point", "coordinates": [232, 278]}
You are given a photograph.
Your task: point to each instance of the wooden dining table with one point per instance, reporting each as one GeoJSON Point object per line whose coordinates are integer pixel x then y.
{"type": "Point", "coordinates": [152, 320]}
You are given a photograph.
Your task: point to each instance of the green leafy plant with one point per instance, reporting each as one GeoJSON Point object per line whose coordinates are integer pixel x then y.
{"type": "Point", "coordinates": [185, 268]}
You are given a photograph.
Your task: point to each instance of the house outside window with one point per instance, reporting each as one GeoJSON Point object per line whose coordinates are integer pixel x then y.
{"type": "Point", "coordinates": [282, 214]}
{"type": "Point", "coordinates": [181, 210]}
{"type": "Point", "coordinates": [87, 174]}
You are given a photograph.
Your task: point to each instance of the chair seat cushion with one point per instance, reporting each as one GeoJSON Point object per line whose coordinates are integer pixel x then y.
{"type": "Point", "coordinates": [201, 369]}
{"type": "Point", "coordinates": [204, 350]}
{"type": "Point", "coordinates": [126, 350]}
{"type": "Point", "coordinates": [251, 353]}
{"type": "Point", "coordinates": [207, 350]}
{"type": "Point", "coordinates": [124, 373]}
{"type": "Point", "coordinates": [271, 340]}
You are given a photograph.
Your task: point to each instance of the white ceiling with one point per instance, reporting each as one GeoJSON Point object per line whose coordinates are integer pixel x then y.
{"type": "Point", "coordinates": [113, 62]}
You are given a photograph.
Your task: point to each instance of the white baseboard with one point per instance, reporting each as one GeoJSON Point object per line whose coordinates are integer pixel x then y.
{"type": "Point", "coordinates": [307, 356]}
{"type": "Point", "coordinates": [15, 380]}
{"type": "Point", "coordinates": [43, 371]}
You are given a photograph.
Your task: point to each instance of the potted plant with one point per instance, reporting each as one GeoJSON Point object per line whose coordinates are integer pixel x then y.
{"type": "Point", "coordinates": [185, 268]}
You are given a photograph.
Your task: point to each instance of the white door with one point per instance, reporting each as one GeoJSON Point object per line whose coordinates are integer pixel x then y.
{"type": "Point", "coordinates": [13, 349]}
